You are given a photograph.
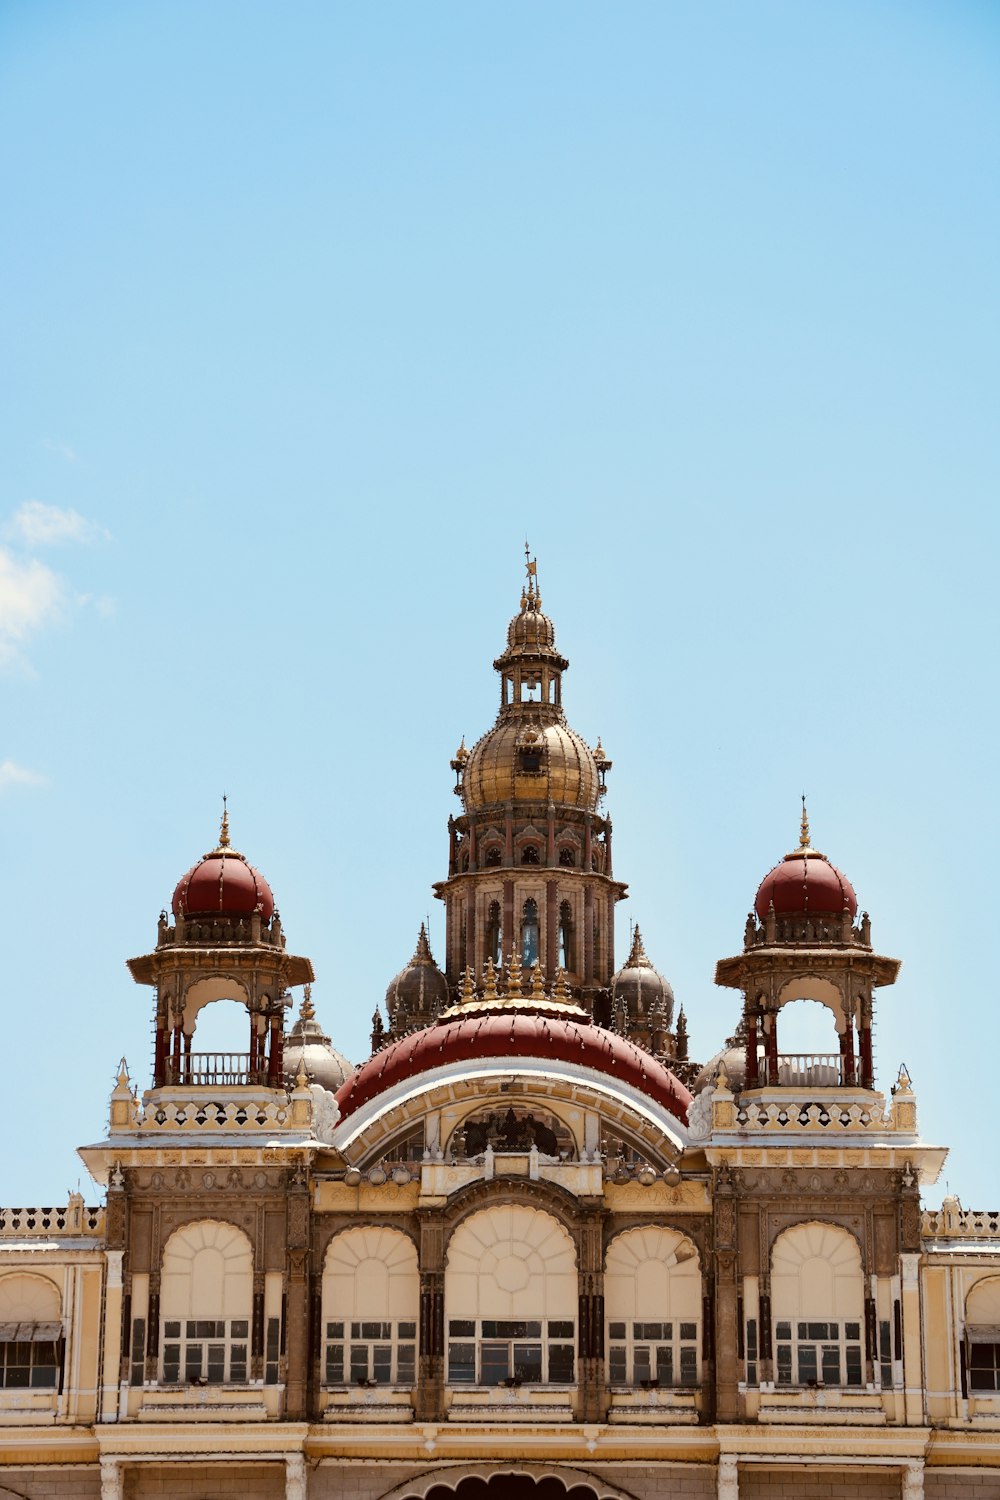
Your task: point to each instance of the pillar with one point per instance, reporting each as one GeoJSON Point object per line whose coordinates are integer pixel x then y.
{"type": "Point", "coordinates": [913, 1375]}
{"type": "Point", "coordinates": [752, 1049]}
{"type": "Point", "coordinates": [113, 1294]}
{"type": "Point", "coordinates": [295, 1476]}
{"type": "Point", "coordinates": [511, 937]}
{"type": "Point", "coordinates": [112, 1479]}
{"type": "Point", "coordinates": [551, 928]}
{"type": "Point", "coordinates": [913, 1480]}
{"type": "Point", "coordinates": [550, 837]}
{"type": "Point", "coordinates": [729, 1477]}
{"type": "Point", "coordinates": [588, 930]}
{"type": "Point", "coordinates": [297, 1304]}
{"type": "Point", "coordinates": [771, 1050]}
{"type": "Point", "coordinates": [469, 915]}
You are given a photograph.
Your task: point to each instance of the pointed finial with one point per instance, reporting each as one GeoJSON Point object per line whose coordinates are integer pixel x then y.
{"type": "Point", "coordinates": [804, 831]}
{"type": "Point", "coordinates": [514, 975]}
{"type": "Point", "coordinates": [490, 981]}
{"type": "Point", "coordinates": [561, 989]}
{"type": "Point", "coordinates": [224, 828]}
{"type": "Point", "coordinates": [306, 1011]}
{"type": "Point", "coordinates": [530, 595]}
{"type": "Point", "coordinates": [537, 982]}
{"type": "Point", "coordinates": [422, 953]}
{"type": "Point", "coordinates": [468, 988]}
{"type": "Point", "coordinates": [637, 957]}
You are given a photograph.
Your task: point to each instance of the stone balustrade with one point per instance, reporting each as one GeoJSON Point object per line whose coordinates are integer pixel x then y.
{"type": "Point", "coordinates": [76, 1218]}
{"type": "Point", "coordinates": [953, 1222]}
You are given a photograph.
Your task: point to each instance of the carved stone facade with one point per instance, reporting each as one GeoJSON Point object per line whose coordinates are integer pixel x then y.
{"type": "Point", "coordinates": [512, 1255]}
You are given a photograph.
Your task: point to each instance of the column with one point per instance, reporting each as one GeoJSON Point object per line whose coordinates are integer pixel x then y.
{"type": "Point", "coordinates": [511, 934]}
{"type": "Point", "coordinates": [297, 1304]}
{"type": "Point", "coordinates": [729, 1477]}
{"type": "Point", "coordinates": [295, 1476]}
{"type": "Point", "coordinates": [752, 1049]}
{"type": "Point", "coordinates": [471, 957]}
{"type": "Point", "coordinates": [588, 934]}
{"type": "Point", "coordinates": [913, 1480]}
{"type": "Point", "coordinates": [112, 1336]}
{"type": "Point", "coordinates": [913, 1381]}
{"type": "Point", "coordinates": [551, 929]}
{"type": "Point", "coordinates": [112, 1486]}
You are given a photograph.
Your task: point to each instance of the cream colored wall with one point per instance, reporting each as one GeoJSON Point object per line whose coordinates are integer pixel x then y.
{"type": "Point", "coordinates": [816, 1273]}
{"type": "Point", "coordinates": [511, 1262]}
{"type": "Point", "coordinates": [371, 1273]}
{"type": "Point", "coordinates": [207, 1272]}
{"type": "Point", "coordinates": [652, 1273]}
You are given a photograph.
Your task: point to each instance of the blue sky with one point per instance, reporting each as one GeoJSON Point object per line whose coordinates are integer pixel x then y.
{"type": "Point", "coordinates": [310, 314]}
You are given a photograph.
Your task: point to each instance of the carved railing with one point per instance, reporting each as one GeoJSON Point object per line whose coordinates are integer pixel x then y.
{"type": "Point", "coordinates": [953, 1222]}
{"type": "Point", "coordinates": [76, 1218]}
{"type": "Point", "coordinates": [214, 1069]}
{"type": "Point", "coordinates": [826, 931]}
{"type": "Point", "coordinates": [202, 1114]}
{"type": "Point", "coordinates": [212, 931]}
{"type": "Point", "coordinates": [818, 1069]}
{"type": "Point", "coordinates": [803, 1115]}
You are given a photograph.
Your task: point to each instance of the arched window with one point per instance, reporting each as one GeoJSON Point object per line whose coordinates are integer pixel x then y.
{"type": "Point", "coordinates": [652, 1295]}
{"type": "Point", "coordinates": [818, 1299]}
{"type": "Point", "coordinates": [371, 1302]}
{"type": "Point", "coordinates": [566, 936]}
{"type": "Point", "coordinates": [206, 1300]}
{"type": "Point", "coordinates": [529, 854]}
{"type": "Point", "coordinates": [494, 933]}
{"type": "Point", "coordinates": [31, 1333]}
{"type": "Point", "coordinates": [529, 933]}
{"type": "Point", "coordinates": [494, 855]}
{"type": "Point", "coordinates": [511, 1299]}
{"type": "Point", "coordinates": [567, 857]}
{"type": "Point", "coordinates": [982, 1332]}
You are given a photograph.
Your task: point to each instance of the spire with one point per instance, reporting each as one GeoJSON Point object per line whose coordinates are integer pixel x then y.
{"type": "Point", "coordinates": [804, 830]}
{"type": "Point", "coordinates": [224, 828]}
{"type": "Point", "coordinates": [306, 1009]}
{"type": "Point", "coordinates": [637, 958]}
{"type": "Point", "coordinates": [422, 952]}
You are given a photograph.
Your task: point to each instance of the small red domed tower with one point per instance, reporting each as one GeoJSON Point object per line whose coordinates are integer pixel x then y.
{"type": "Point", "coordinates": [802, 943]}
{"type": "Point", "coordinates": [226, 944]}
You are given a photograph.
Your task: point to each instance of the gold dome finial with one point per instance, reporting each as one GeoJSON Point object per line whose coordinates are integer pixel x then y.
{"type": "Point", "coordinates": [224, 828]}
{"type": "Point", "coordinates": [537, 982]}
{"type": "Point", "coordinates": [490, 981]}
{"type": "Point", "coordinates": [530, 595]}
{"type": "Point", "coordinates": [468, 988]}
{"type": "Point", "coordinates": [306, 1009]}
{"type": "Point", "coordinates": [804, 830]}
{"type": "Point", "coordinates": [514, 976]}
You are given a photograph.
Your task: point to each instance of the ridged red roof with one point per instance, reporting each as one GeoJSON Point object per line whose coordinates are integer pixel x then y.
{"type": "Point", "coordinates": [467, 1039]}
{"type": "Point", "coordinates": [805, 882]}
{"type": "Point", "coordinates": [223, 884]}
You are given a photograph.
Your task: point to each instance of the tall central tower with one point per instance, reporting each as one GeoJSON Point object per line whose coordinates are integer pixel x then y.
{"type": "Point", "coordinates": [529, 869]}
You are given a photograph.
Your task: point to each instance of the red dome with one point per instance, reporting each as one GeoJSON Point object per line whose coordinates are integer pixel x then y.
{"type": "Point", "coordinates": [223, 884]}
{"type": "Point", "coordinates": [805, 882]}
{"type": "Point", "coordinates": [468, 1038]}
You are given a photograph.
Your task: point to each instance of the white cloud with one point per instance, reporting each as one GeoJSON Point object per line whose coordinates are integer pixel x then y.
{"type": "Point", "coordinates": [15, 775]}
{"type": "Point", "coordinates": [63, 449]}
{"type": "Point", "coordinates": [31, 595]}
{"type": "Point", "coordinates": [40, 525]}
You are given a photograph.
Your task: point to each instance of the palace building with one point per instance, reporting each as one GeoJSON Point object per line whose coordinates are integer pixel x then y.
{"type": "Point", "coordinates": [528, 1249]}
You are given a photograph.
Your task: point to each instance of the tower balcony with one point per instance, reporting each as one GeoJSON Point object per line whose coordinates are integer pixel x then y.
{"type": "Point", "coordinates": [214, 1069]}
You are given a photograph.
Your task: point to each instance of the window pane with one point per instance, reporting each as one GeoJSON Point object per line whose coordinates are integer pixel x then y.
{"type": "Point", "coordinates": [784, 1364]}
{"type": "Point", "coordinates": [783, 1331]}
{"type": "Point", "coordinates": [334, 1363]}
{"type": "Point", "coordinates": [616, 1364]}
{"type": "Point", "coordinates": [407, 1330]}
{"type": "Point", "coordinates": [359, 1362]}
{"type": "Point", "coordinates": [689, 1330]}
{"type": "Point", "coordinates": [406, 1364]}
{"type": "Point", "coordinates": [689, 1366]}
{"type": "Point", "coordinates": [853, 1364]}
{"type": "Point", "coordinates": [560, 1330]}
{"type": "Point", "coordinates": [561, 1364]}
{"type": "Point", "coordinates": [616, 1330]}
{"type": "Point", "coordinates": [665, 1364]}
{"type": "Point", "coordinates": [335, 1330]}
{"type": "Point", "coordinates": [171, 1330]}
{"type": "Point", "coordinates": [528, 1361]}
{"type": "Point", "coordinates": [494, 1364]}
{"type": "Point", "coordinates": [462, 1328]}
{"type": "Point", "coordinates": [807, 1364]}
{"type": "Point", "coordinates": [238, 1363]}
{"type": "Point", "coordinates": [831, 1364]}
{"type": "Point", "coordinates": [239, 1328]}
{"type": "Point", "coordinates": [461, 1363]}
{"type": "Point", "coordinates": [382, 1362]}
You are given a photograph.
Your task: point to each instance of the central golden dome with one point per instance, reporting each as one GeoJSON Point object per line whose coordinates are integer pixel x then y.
{"type": "Point", "coordinates": [522, 761]}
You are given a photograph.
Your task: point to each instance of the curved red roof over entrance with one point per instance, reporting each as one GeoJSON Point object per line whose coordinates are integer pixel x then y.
{"type": "Point", "coordinates": [515, 1035]}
